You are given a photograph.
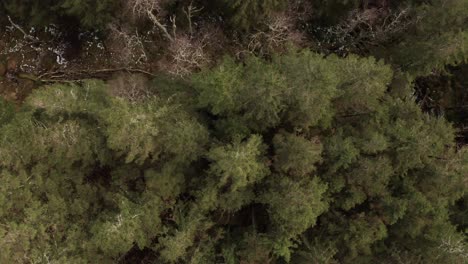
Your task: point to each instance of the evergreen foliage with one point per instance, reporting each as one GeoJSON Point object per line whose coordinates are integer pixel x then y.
{"type": "Point", "coordinates": [289, 157]}
{"type": "Point", "coordinates": [437, 38]}
{"type": "Point", "coordinates": [88, 13]}
{"type": "Point", "coordinates": [300, 159]}
{"type": "Point", "coordinates": [6, 111]}
{"type": "Point", "coordinates": [246, 14]}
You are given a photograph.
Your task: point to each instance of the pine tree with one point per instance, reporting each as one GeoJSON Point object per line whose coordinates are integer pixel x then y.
{"type": "Point", "coordinates": [302, 158]}
{"type": "Point", "coordinates": [234, 93]}
{"type": "Point", "coordinates": [436, 38]}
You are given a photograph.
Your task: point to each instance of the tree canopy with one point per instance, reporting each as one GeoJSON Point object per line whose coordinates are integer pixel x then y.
{"type": "Point", "coordinates": [302, 159]}
{"type": "Point", "coordinates": [233, 131]}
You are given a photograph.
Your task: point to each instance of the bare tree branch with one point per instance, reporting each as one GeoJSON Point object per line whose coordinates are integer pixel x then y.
{"type": "Point", "coordinates": [163, 28]}
{"type": "Point", "coordinates": [26, 35]}
{"type": "Point", "coordinates": [150, 9]}
{"type": "Point", "coordinates": [189, 12]}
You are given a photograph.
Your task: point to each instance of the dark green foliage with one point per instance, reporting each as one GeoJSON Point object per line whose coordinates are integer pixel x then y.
{"type": "Point", "coordinates": [246, 14]}
{"type": "Point", "coordinates": [260, 94]}
{"type": "Point", "coordinates": [159, 132]}
{"type": "Point", "coordinates": [438, 38]}
{"type": "Point", "coordinates": [301, 158]}
{"type": "Point", "coordinates": [36, 12]}
{"type": "Point", "coordinates": [7, 111]}
{"type": "Point", "coordinates": [330, 12]}
{"type": "Point", "coordinates": [293, 207]}
{"type": "Point", "coordinates": [75, 172]}
{"type": "Point", "coordinates": [296, 157]}
{"type": "Point", "coordinates": [234, 90]}
{"type": "Point", "coordinates": [237, 166]}
{"type": "Point", "coordinates": [88, 13]}
{"type": "Point", "coordinates": [417, 37]}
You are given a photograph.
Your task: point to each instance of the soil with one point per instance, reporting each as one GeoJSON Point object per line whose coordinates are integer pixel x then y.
{"type": "Point", "coordinates": [50, 53]}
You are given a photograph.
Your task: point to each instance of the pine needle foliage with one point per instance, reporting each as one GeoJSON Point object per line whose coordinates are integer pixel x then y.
{"type": "Point", "coordinates": [299, 159]}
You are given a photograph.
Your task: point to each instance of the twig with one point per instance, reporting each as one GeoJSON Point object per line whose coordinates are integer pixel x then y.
{"type": "Point", "coordinates": [174, 26]}
{"type": "Point", "coordinates": [26, 35]}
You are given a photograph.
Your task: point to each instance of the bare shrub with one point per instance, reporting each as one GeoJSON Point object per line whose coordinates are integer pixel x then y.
{"type": "Point", "coordinates": [455, 247]}
{"type": "Point", "coordinates": [301, 10]}
{"type": "Point", "coordinates": [131, 87]}
{"type": "Point", "coordinates": [152, 10]}
{"type": "Point", "coordinates": [186, 52]}
{"type": "Point", "coordinates": [368, 27]}
{"type": "Point", "coordinates": [280, 31]}
{"type": "Point", "coordinates": [187, 55]}
{"type": "Point", "coordinates": [127, 46]}
{"type": "Point", "coordinates": [141, 7]}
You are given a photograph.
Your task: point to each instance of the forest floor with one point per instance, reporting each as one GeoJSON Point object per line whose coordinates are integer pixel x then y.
{"type": "Point", "coordinates": [37, 57]}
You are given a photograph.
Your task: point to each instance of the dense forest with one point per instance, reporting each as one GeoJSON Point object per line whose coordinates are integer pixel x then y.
{"type": "Point", "coordinates": [233, 131]}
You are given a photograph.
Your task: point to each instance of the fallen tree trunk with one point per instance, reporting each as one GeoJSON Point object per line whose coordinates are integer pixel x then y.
{"type": "Point", "coordinates": [78, 75]}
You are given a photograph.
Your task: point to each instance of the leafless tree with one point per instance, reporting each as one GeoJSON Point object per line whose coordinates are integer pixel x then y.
{"type": "Point", "coordinates": [186, 51]}
{"type": "Point", "coordinates": [189, 12]}
{"type": "Point", "coordinates": [368, 27]}
{"type": "Point", "coordinates": [128, 45]}
{"type": "Point", "coordinates": [186, 55]}
{"type": "Point", "coordinates": [152, 10]}
{"type": "Point", "coordinates": [279, 31]}
{"type": "Point", "coordinates": [131, 87]}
